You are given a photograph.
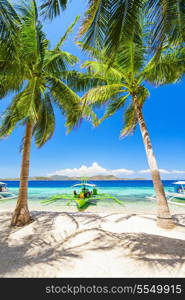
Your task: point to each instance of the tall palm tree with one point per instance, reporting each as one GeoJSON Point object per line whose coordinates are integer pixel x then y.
{"type": "Point", "coordinates": [123, 86]}
{"type": "Point", "coordinates": [42, 73]}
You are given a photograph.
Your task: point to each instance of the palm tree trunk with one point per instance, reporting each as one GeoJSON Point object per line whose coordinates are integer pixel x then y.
{"type": "Point", "coordinates": [164, 219]}
{"type": "Point", "coordinates": [21, 215]}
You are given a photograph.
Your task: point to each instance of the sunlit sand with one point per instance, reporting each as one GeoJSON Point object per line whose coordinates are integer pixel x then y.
{"type": "Point", "coordinates": [74, 244]}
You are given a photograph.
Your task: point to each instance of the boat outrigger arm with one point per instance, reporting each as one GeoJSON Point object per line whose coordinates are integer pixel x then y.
{"type": "Point", "coordinates": [179, 193]}
{"type": "Point", "coordinates": [84, 185]}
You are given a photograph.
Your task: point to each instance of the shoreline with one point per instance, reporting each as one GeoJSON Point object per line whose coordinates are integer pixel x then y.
{"type": "Point", "coordinates": [148, 207]}
{"type": "Point", "coordinates": [90, 244]}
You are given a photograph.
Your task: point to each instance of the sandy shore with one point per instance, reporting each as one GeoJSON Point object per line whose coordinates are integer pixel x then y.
{"type": "Point", "coordinates": [69, 244]}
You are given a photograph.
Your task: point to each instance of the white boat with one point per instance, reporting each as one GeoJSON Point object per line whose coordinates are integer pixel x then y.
{"type": "Point", "coordinates": [179, 190]}
{"type": "Point", "coordinates": [4, 193]}
{"type": "Point", "coordinates": [178, 193]}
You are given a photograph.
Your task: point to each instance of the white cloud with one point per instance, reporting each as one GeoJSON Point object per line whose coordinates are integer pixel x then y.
{"type": "Point", "coordinates": [162, 171]}
{"type": "Point", "coordinates": [178, 172]}
{"type": "Point", "coordinates": [144, 171]}
{"type": "Point", "coordinates": [94, 169]}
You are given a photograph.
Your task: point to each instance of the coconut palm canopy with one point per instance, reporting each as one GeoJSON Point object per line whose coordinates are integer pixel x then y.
{"type": "Point", "coordinates": [38, 75]}
{"type": "Point", "coordinates": [41, 72]}
{"type": "Point", "coordinates": [105, 21]}
{"type": "Point", "coordinates": [125, 76]}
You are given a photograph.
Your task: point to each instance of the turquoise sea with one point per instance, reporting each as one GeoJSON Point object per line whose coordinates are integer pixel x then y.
{"type": "Point", "coordinates": [132, 193]}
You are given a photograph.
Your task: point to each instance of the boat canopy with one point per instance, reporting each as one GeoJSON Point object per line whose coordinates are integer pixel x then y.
{"type": "Point", "coordinates": [179, 182]}
{"type": "Point", "coordinates": [84, 184]}
{"type": "Point", "coordinates": [2, 184]}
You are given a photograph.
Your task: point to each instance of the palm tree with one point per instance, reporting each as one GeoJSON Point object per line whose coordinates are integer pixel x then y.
{"type": "Point", "coordinates": [123, 86]}
{"type": "Point", "coordinates": [42, 73]}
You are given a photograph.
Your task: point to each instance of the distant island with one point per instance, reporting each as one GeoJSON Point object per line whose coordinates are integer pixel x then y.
{"type": "Point", "coordinates": [66, 178]}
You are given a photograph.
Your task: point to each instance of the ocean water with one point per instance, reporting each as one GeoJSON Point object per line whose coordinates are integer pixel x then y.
{"type": "Point", "coordinates": [132, 193]}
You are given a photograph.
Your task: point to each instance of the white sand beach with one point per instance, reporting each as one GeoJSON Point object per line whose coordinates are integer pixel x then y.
{"type": "Point", "coordinates": [74, 244]}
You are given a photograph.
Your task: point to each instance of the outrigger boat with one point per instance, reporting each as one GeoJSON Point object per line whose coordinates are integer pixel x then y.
{"type": "Point", "coordinates": [87, 195]}
{"type": "Point", "coordinates": [179, 190]}
{"type": "Point", "coordinates": [178, 193]}
{"type": "Point", "coordinates": [5, 195]}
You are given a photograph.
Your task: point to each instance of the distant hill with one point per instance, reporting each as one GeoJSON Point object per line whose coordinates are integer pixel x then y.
{"type": "Point", "coordinates": [59, 177]}
{"type": "Point", "coordinates": [65, 178]}
{"type": "Point", "coordinates": [96, 177]}
{"type": "Point", "coordinates": [31, 178]}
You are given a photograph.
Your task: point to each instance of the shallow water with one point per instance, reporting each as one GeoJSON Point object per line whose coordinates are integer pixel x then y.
{"type": "Point", "coordinates": [132, 193]}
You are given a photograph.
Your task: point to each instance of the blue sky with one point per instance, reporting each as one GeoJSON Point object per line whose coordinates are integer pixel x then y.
{"type": "Point", "coordinates": [164, 114]}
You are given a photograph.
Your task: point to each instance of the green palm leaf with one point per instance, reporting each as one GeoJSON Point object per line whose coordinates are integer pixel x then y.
{"type": "Point", "coordinates": [95, 23]}
{"type": "Point", "coordinates": [114, 106]}
{"type": "Point", "coordinates": [168, 19]}
{"type": "Point", "coordinates": [66, 34]}
{"type": "Point", "coordinates": [53, 8]}
{"type": "Point", "coordinates": [68, 101]}
{"type": "Point", "coordinates": [124, 20]}
{"type": "Point", "coordinates": [167, 68]}
{"type": "Point", "coordinates": [101, 94]}
{"type": "Point", "coordinates": [45, 126]}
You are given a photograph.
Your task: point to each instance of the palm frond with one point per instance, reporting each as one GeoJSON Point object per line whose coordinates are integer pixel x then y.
{"type": "Point", "coordinates": [107, 73]}
{"type": "Point", "coordinates": [124, 20]}
{"type": "Point", "coordinates": [42, 42]}
{"type": "Point", "coordinates": [10, 83]}
{"type": "Point", "coordinates": [91, 51]}
{"type": "Point", "coordinates": [58, 61]}
{"type": "Point", "coordinates": [9, 26]}
{"type": "Point", "coordinates": [101, 94]}
{"type": "Point", "coordinates": [26, 103]}
{"type": "Point", "coordinates": [130, 121]}
{"type": "Point", "coordinates": [66, 34]}
{"type": "Point", "coordinates": [114, 106]}
{"type": "Point", "coordinates": [131, 54]}
{"type": "Point", "coordinates": [130, 118]}
{"type": "Point", "coordinates": [9, 20]}
{"type": "Point", "coordinates": [68, 102]}
{"type": "Point", "coordinates": [10, 118]}
{"type": "Point", "coordinates": [45, 126]}
{"type": "Point", "coordinates": [95, 23]}
{"type": "Point", "coordinates": [82, 81]}
{"type": "Point", "coordinates": [90, 115]}
{"type": "Point", "coordinates": [169, 67]}
{"type": "Point", "coordinates": [28, 31]}
{"type": "Point", "coordinates": [52, 8]}
{"type": "Point", "coordinates": [168, 19]}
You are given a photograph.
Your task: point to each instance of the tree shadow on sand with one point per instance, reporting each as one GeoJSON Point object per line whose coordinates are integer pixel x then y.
{"type": "Point", "coordinates": [59, 250]}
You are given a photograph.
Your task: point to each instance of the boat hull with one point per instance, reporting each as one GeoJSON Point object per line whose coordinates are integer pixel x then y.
{"type": "Point", "coordinates": [7, 196]}
{"type": "Point", "coordinates": [176, 195]}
